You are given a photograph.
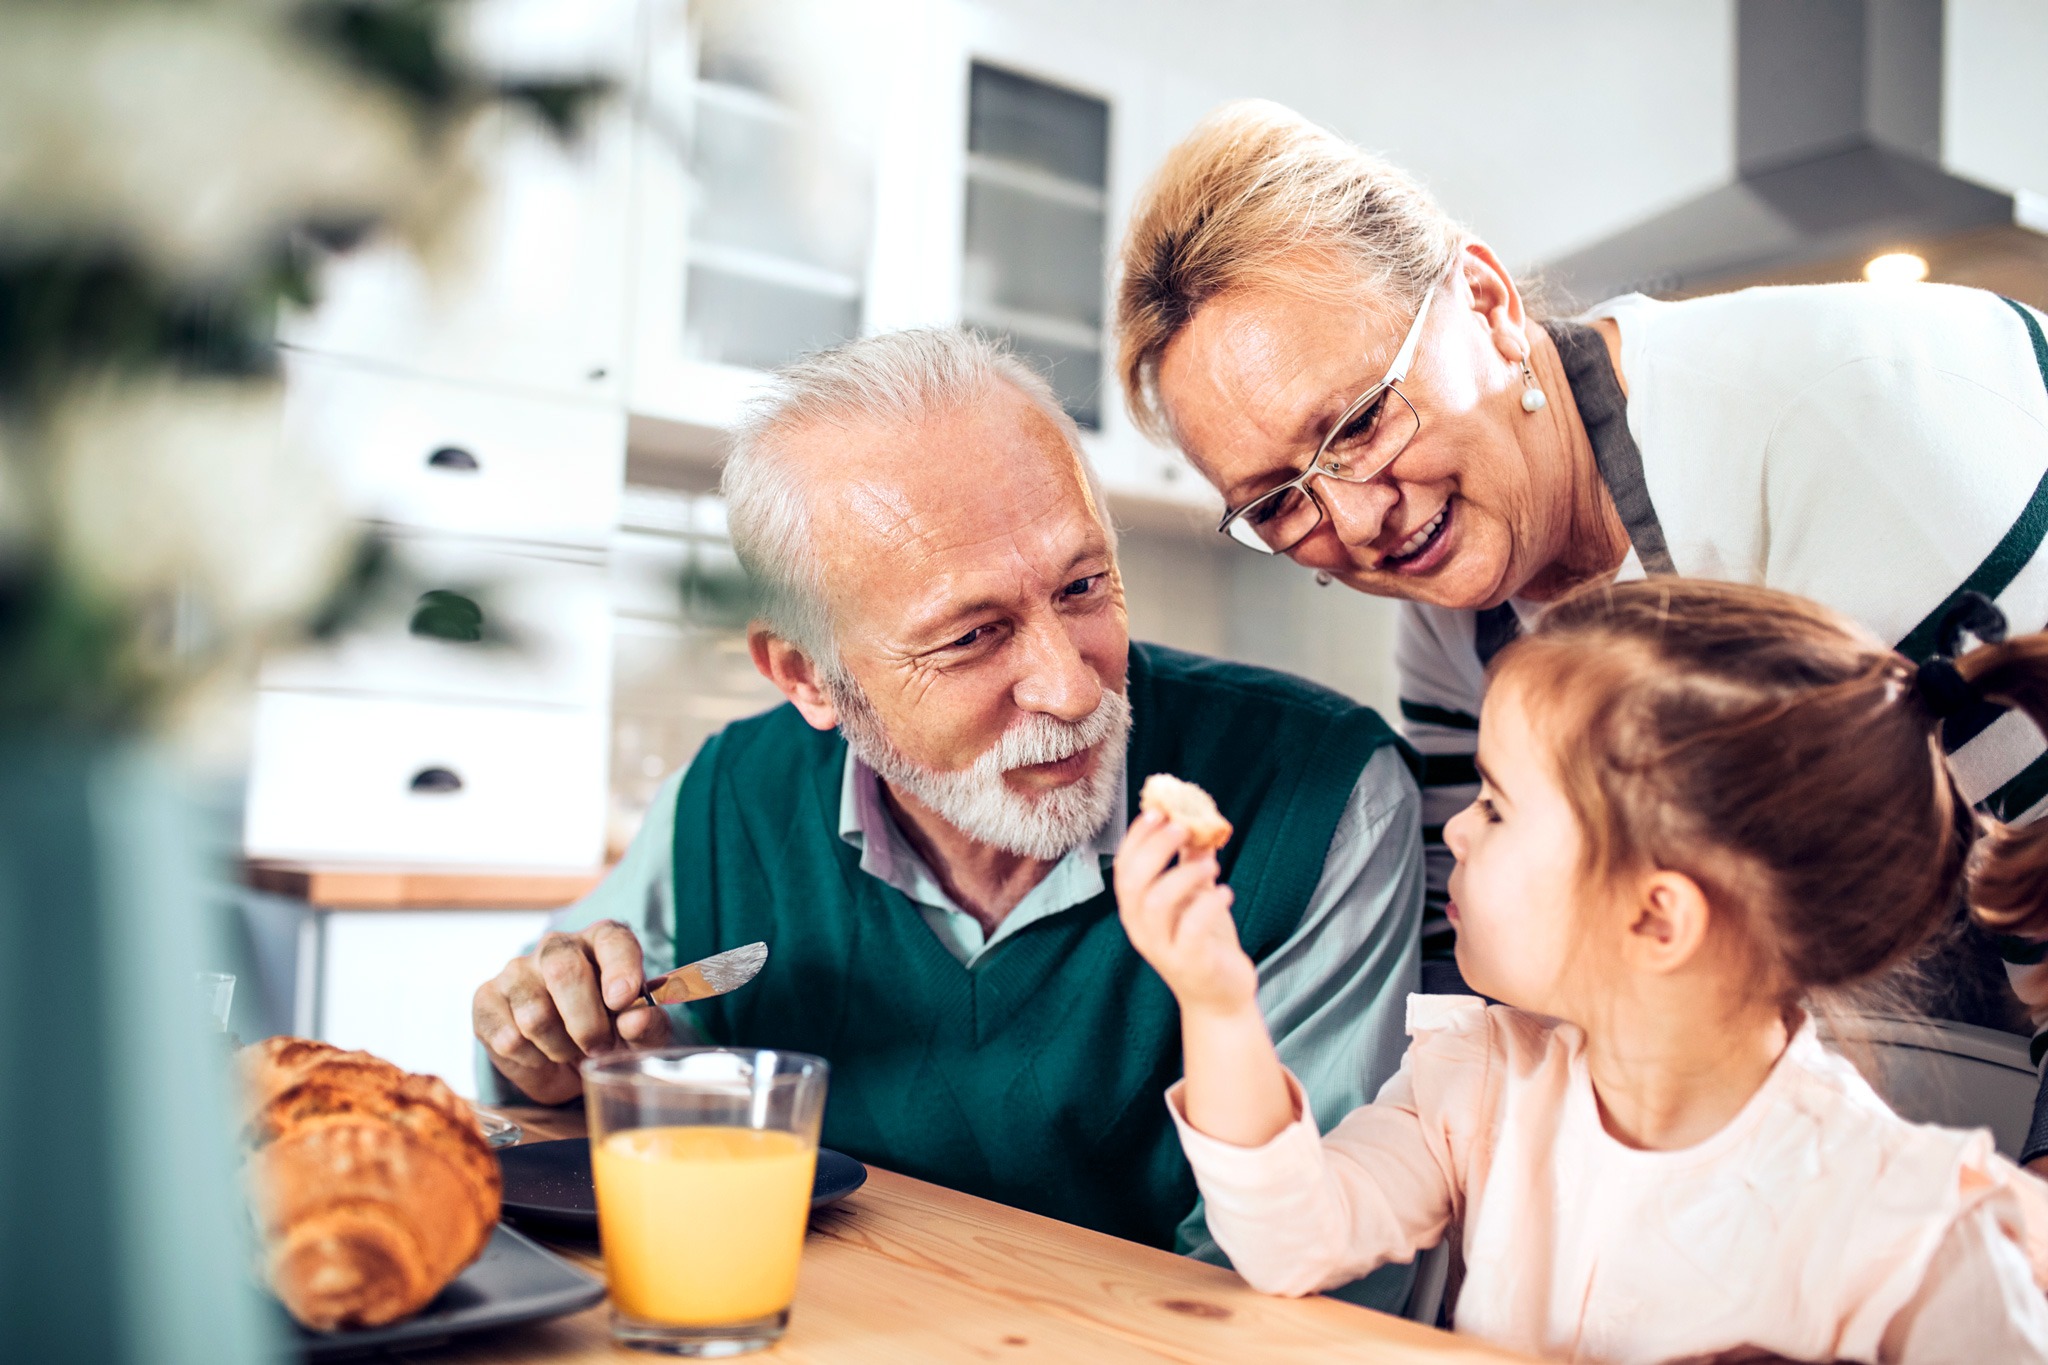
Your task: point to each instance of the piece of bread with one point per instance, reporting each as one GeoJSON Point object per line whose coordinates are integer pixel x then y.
{"type": "Point", "coordinates": [374, 1186]}
{"type": "Point", "coordinates": [1187, 806]}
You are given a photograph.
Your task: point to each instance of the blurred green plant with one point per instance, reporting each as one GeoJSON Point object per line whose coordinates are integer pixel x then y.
{"type": "Point", "coordinates": [171, 175]}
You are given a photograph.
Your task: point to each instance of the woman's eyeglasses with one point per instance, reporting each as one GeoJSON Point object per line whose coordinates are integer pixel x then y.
{"type": "Point", "coordinates": [1369, 436]}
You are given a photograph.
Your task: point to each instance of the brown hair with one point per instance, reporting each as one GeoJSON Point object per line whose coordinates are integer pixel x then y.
{"type": "Point", "coordinates": [1784, 759]}
{"type": "Point", "coordinates": [1236, 203]}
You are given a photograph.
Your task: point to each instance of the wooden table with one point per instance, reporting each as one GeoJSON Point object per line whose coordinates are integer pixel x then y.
{"type": "Point", "coordinates": [907, 1271]}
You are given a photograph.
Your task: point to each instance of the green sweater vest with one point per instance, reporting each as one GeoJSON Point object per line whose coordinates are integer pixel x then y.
{"type": "Point", "coordinates": [1035, 1078]}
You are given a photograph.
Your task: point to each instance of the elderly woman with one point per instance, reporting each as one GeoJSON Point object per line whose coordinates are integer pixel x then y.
{"type": "Point", "coordinates": [1361, 380]}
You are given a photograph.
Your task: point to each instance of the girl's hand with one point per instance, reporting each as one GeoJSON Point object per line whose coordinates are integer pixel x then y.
{"type": "Point", "coordinates": [1178, 919]}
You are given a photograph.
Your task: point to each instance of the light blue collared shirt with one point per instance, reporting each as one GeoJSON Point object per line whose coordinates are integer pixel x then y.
{"type": "Point", "coordinates": [1334, 993]}
{"type": "Point", "coordinates": [885, 855]}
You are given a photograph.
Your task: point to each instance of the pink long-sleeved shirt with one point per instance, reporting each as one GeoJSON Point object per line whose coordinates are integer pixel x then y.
{"type": "Point", "coordinates": [1817, 1224]}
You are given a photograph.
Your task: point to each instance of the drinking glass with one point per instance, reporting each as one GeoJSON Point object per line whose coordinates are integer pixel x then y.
{"type": "Point", "coordinates": [704, 1159]}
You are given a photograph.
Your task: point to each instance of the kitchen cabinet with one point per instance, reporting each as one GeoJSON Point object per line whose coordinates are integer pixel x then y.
{"type": "Point", "coordinates": [989, 162]}
{"type": "Point", "coordinates": [524, 285]}
{"type": "Point", "coordinates": [528, 290]}
{"type": "Point", "coordinates": [413, 451]}
{"type": "Point", "coordinates": [399, 982]}
{"type": "Point", "coordinates": [396, 779]}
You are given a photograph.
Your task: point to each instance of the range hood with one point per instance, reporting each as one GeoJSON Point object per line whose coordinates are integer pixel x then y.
{"type": "Point", "coordinates": [1838, 152]}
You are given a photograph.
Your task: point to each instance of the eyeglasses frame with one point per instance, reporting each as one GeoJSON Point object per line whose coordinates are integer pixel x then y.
{"type": "Point", "coordinates": [1323, 467]}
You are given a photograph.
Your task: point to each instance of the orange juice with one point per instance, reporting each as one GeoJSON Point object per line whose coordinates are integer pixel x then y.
{"type": "Point", "coordinates": [702, 1226]}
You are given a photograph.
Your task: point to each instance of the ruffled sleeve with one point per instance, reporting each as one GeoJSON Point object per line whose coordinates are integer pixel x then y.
{"type": "Point", "coordinates": [1980, 1300]}
{"type": "Point", "coordinates": [1992, 1221]}
{"type": "Point", "coordinates": [1301, 1214]}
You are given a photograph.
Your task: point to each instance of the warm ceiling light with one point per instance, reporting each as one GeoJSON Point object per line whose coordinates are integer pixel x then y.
{"type": "Point", "coordinates": [1895, 267]}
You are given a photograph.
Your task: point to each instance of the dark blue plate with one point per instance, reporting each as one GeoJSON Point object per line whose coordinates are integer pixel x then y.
{"type": "Point", "coordinates": [548, 1183]}
{"type": "Point", "coordinates": [514, 1281]}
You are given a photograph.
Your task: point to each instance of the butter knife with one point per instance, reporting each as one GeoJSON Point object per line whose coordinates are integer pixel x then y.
{"type": "Point", "coordinates": [714, 975]}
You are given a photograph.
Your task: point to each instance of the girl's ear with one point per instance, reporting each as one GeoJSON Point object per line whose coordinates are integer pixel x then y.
{"type": "Point", "coordinates": [1668, 924]}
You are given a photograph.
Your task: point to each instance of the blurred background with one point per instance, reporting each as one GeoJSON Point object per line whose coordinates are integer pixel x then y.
{"type": "Point", "coordinates": [521, 396]}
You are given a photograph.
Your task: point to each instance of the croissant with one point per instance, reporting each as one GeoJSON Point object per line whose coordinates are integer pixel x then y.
{"type": "Point", "coordinates": [374, 1187]}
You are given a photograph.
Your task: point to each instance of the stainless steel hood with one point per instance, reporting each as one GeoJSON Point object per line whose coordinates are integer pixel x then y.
{"type": "Point", "coordinates": [1838, 151]}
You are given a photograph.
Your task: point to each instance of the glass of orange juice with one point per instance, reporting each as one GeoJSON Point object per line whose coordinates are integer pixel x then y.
{"type": "Point", "coordinates": [704, 1158]}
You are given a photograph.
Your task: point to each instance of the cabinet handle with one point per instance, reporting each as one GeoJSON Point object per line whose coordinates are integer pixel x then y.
{"type": "Point", "coordinates": [444, 615]}
{"type": "Point", "coordinates": [454, 459]}
{"type": "Point", "coordinates": [436, 781]}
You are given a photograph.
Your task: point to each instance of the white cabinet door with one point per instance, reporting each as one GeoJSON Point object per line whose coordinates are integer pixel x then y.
{"type": "Point", "coordinates": [448, 457]}
{"type": "Point", "coordinates": [542, 631]}
{"type": "Point", "coordinates": [398, 982]}
{"type": "Point", "coordinates": [530, 291]}
{"type": "Point", "coordinates": [368, 779]}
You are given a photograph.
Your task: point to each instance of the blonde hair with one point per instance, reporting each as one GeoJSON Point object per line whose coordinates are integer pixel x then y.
{"type": "Point", "coordinates": [1236, 203]}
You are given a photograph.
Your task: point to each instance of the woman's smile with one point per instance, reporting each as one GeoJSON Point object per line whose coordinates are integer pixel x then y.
{"type": "Point", "coordinates": [1426, 548]}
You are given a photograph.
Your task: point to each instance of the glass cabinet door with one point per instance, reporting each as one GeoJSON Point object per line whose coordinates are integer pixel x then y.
{"type": "Point", "coordinates": [1033, 269]}
{"type": "Point", "coordinates": [779, 217]}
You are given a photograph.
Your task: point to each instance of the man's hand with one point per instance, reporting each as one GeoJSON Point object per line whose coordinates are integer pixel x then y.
{"type": "Point", "coordinates": [1179, 920]}
{"type": "Point", "coordinates": [572, 997]}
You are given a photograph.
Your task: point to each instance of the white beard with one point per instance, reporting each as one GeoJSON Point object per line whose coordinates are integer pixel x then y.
{"type": "Point", "coordinates": [977, 801]}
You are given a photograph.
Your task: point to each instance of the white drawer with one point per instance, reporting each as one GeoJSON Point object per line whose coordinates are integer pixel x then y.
{"type": "Point", "coordinates": [545, 622]}
{"type": "Point", "coordinates": [417, 782]}
{"type": "Point", "coordinates": [439, 456]}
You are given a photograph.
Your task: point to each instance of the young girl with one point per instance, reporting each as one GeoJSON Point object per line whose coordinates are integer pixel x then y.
{"type": "Point", "coordinates": [1703, 804]}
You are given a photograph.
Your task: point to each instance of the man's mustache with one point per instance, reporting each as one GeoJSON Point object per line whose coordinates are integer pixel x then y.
{"type": "Point", "coordinates": [1036, 739]}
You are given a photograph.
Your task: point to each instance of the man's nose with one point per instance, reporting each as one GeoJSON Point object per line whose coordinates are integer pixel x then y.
{"type": "Point", "coordinates": [1357, 511]}
{"type": "Point", "coordinates": [1056, 680]}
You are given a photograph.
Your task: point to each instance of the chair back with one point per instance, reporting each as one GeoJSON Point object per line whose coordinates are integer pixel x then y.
{"type": "Point", "coordinates": [1932, 1071]}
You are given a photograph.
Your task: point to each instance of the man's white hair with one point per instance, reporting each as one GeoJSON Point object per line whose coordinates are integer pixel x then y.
{"type": "Point", "coordinates": [906, 377]}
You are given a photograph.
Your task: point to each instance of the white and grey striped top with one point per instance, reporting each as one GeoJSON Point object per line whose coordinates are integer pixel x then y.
{"type": "Point", "coordinates": [1878, 448]}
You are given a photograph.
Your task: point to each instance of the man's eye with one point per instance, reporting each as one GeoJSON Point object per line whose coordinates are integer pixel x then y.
{"type": "Point", "coordinates": [1081, 587]}
{"type": "Point", "coordinates": [972, 637]}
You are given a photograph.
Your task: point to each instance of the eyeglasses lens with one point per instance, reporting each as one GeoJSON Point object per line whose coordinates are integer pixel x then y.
{"type": "Point", "coordinates": [1372, 440]}
{"type": "Point", "coordinates": [1277, 522]}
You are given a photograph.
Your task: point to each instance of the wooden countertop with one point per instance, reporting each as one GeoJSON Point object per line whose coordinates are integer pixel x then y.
{"type": "Point", "coordinates": [342, 886]}
{"type": "Point", "coordinates": [908, 1271]}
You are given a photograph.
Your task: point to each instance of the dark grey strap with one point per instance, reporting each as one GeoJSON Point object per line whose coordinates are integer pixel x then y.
{"type": "Point", "coordinates": [1604, 409]}
{"type": "Point", "coordinates": [1493, 630]}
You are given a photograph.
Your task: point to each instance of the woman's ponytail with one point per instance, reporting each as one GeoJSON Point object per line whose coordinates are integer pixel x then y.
{"type": "Point", "coordinates": [2008, 877]}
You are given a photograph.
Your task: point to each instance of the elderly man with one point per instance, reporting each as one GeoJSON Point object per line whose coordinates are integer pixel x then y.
{"type": "Point", "coordinates": [920, 834]}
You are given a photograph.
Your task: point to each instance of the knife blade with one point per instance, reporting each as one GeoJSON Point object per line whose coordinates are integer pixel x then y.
{"type": "Point", "coordinates": [706, 977]}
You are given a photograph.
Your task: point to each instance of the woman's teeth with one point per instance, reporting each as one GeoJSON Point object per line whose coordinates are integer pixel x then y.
{"type": "Point", "coordinates": [1421, 537]}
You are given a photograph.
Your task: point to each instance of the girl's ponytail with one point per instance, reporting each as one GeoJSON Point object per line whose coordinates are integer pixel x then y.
{"type": "Point", "coordinates": [2008, 877]}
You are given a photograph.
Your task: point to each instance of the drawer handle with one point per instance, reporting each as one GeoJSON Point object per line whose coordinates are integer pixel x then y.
{"type": "Point", "coordinates": [436, 781]}
{"type": "Point", "coordinates": [454, 459]}
{"type": "Point", "coordinates": [445, 615]}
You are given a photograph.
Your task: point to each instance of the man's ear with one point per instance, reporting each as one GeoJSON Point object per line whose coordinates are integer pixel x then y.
{"type": "Point", "coordinates": [1495, 297]}
{"type": "Point", "coordinates": [794, 675]}
{"type": "Point", "coordinates": [1668, 923]}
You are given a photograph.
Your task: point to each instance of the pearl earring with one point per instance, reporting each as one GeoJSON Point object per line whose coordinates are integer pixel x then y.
{"type": "Point", "coordinates": [1532, 393]}
{"type": "Point", "coordinates": [1323, 579]}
